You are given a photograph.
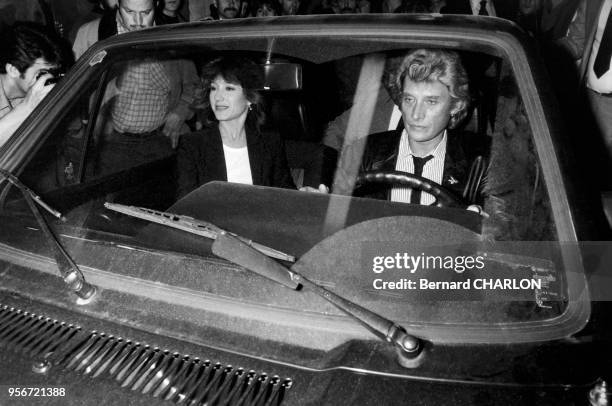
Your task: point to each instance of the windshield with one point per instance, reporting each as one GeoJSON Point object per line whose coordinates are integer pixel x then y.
{"type": "Point", "coordinates": [249, 134]}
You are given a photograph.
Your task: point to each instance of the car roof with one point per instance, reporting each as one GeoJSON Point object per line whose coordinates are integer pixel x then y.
{"type": "Point", "coordinates": [449, 30]}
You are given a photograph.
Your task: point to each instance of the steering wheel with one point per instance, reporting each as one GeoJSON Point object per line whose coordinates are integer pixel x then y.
{"type": "Point", "coordinates": [443, 196]}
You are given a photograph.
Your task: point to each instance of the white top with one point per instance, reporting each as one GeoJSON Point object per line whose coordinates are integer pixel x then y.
{"type": "Point", "coordinates": [604, 83]}
{"type": "Point", "coordinates": [237, 165]}
{"type": "Point", "coordinates": [432, 170]}
{"type": "Point", "coordinates": [476, 7]}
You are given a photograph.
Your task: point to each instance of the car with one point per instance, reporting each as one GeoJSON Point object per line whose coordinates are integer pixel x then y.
{"type": "Point", "coordinates": [116, 290]}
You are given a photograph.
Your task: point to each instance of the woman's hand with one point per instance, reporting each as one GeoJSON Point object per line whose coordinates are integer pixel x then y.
{"type": "Point", "coordinates": [477, 209]}
{"type": "Point", "coordinates": [322, 189]}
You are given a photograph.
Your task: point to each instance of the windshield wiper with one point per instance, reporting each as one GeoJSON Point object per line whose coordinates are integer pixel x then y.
{"type": "Point", "coordinates": [191, 225]}
{"type": "Point", "coordinates": [69, 270]}
{"type": "Point", "coordinates": [408, 348]}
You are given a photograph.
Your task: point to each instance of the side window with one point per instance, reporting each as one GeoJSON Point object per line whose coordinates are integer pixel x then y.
{"type": "Point", "coordinates": [68, 171]}
{"type": "Point", "coordinates": [101, 150]}
{"type": "Point", "coordinates": [60, 161]}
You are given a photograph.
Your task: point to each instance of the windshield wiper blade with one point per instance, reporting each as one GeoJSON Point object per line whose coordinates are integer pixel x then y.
{"type": "Point", "coordinates": [24, 189]}
{"type": "Point", "coordinates": [69, 270]}
{"type": "Point", "coordinates": [191, 225]}
{"type": "Point", "coordinates": [408, 348]}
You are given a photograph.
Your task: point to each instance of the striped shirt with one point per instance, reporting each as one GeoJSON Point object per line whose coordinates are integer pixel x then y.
{"type": "Point", "coordinates": [433, 169]}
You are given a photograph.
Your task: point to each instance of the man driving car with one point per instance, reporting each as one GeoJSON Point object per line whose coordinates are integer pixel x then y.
{"type": "Point", "coordinates": [430, 87]}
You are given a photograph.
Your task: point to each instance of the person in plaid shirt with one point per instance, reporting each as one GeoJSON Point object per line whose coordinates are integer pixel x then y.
{"type": "Point", "coordinates": [142, 100]}
{"type": "Point", "coordinates": [149, 102]}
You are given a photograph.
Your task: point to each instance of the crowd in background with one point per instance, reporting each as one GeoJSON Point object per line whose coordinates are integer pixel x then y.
{"type": "Point", "coordinates": [520, 11]}
{"type": "Point", "coordinates": [542, 18]}
{"type": "Point", "coordinates": [538, 16]}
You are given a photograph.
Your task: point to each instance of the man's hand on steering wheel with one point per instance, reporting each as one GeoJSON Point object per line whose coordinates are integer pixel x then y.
{"type": "Point", "coordinates": [444, 197]}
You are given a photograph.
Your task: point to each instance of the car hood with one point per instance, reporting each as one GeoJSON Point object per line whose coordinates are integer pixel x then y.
{"type": "Point", "coordinates": [171, 305]}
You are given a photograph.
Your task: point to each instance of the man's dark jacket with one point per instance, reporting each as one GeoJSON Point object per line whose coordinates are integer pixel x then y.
{"type": "Point", "coordinates": [381, 152]}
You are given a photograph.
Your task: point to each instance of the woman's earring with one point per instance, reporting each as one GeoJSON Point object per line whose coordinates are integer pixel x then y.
{"type": "Point", "coordinates": [250, 107]}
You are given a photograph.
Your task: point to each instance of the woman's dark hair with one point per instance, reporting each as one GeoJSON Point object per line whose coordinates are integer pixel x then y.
{"type": "Point", "coordinates": [239, 71]}
{"type": "Point", "coordinates": [25, 42]}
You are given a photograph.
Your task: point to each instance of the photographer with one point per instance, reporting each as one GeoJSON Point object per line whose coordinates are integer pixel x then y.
{"type": "Point", "coordinates": [28, 58]}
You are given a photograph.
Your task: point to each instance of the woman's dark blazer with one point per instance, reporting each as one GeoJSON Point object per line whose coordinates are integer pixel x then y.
{"type": "Point", "coordinates": [200, 159]}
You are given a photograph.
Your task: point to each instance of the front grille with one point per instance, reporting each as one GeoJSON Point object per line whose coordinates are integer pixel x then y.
{"type": "Point", "coordinates": [137, 366]}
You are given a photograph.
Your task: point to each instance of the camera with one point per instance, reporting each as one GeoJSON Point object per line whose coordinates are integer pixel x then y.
{"type": "Point", "coordinates": [56, 76]}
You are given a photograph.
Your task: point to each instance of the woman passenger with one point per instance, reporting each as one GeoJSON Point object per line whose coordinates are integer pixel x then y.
{"type": "Point", "coordinates": [233, 148]}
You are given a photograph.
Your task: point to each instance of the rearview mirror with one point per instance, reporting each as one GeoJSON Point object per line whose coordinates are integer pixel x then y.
{"type": "Point", "coordinates": [282, 76]}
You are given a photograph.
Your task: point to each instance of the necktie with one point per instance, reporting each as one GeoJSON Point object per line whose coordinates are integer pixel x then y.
{"type": "Point", "coordinates": [419, 163]}
{"type": "Point", "coordinates": [602, 60]}
{"type": "Point", "coordinates": [482, 11]}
